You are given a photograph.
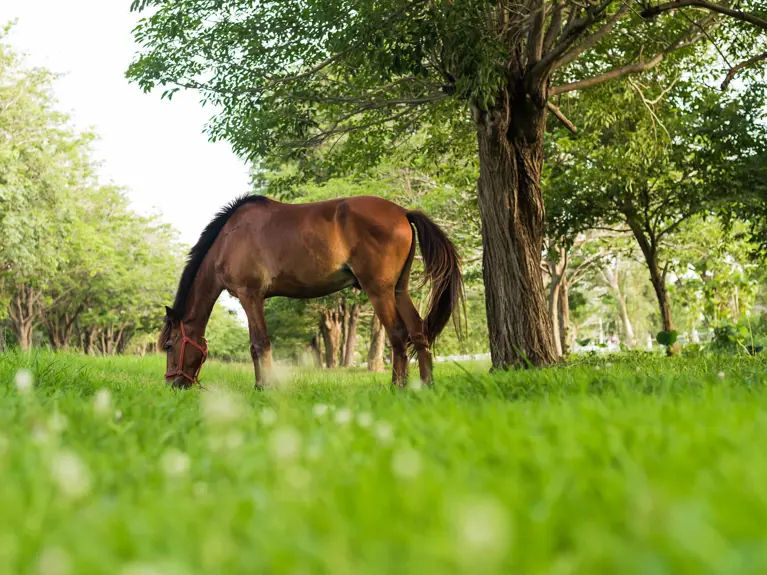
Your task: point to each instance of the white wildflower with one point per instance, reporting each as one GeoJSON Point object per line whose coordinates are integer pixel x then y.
{"type": "Point", "coordinates": [268, 416]}
{"type": "Point", "coordinates": [220, 407]}
{"type": "Point", "coordinates": [285, 443]}
{"type": "Point", "coordinates": [25, 381]}
{"type": "Point", "coordinates": [721, 375]}
{"type": "Point", "coordinates": [364, 419]}
{"type": "Point", "coordinates": [70, 474]}
{"type": "Point", "coordinates": [54, 561]}
{"type": "Point", "coordinates": [320, 410]}
{"type": "Point", "coordinates": [102, 402]}
{"type": "Point", "coordinates": [384, 432]}
{"type": "Point", "coordinates": [343, 416]}
{"type": "Point", "coordinates": [175, 463]}
{"type": "Point", "coordinates": [406, 463]}
{"type": "Point", "coordinates": [482, 529]}
{"type": "Point", "coordinates": [57, 423]}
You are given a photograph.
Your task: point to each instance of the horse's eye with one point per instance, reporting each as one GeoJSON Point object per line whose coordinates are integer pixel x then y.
{"type": "Point", "coordinates": [169, 347]}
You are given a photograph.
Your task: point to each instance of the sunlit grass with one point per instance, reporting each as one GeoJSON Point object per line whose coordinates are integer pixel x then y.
{"type": "Point", "coordinates": [632, 465]}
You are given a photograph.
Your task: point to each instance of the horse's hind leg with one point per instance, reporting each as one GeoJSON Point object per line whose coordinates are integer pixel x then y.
{"type": "Point", "coordinates": [415, 330]}
{"type": "Point", "coordinates": [386, 309]}
{"type": "Point", "coordinates": [260, 346]}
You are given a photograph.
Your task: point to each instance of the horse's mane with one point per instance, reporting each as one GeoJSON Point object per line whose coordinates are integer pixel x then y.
{"type": "Point", "coordinates": [198, 253]}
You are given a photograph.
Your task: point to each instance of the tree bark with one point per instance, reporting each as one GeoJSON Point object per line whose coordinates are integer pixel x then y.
{"type": "Point", "coordinates": [24, 313]}
{"type": "Point", "coordinates": [613, 282]}
{"type": "Point", "coordinates": [648, 245]}
{"type": "Point", "coordinates": [314, 350]}
{"type": "Point", "coordinates": [377, 344]}
{"type": "Point", "coordinates": [510, 138]}
{"type": "Point", "coordinates": [330, 328]}
{"type": "Point", "coordinates": [565, 332]}
{"type": "Point", "coordinates": [557, 268]}
{"type": "Point", "coordinates": [345, 320]}
{"type": "Point", "coordinates": [554, 307]}
{"type": "Point", "coordinates": [88, 341]}
{"type": "Point", "coordinates": [350, 334]}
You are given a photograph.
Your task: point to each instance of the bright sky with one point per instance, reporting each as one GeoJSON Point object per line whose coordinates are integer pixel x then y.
{"type": "Point", "coordinates": [155, 149]}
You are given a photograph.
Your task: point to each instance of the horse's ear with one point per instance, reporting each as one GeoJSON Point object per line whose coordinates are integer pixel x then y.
{"type": "Point", "coordinates": [170, 314]}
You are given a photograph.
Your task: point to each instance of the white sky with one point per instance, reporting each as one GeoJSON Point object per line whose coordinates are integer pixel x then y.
{"type": "Point", "coordinates": [155, 149]}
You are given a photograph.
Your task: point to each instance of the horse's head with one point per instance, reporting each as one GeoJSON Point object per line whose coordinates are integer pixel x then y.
{"type": "Point", "coordinates": [184, 355]}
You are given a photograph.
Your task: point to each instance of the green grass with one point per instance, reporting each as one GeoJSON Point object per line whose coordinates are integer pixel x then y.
{"type": "Point", "coordinates": [644, 465]}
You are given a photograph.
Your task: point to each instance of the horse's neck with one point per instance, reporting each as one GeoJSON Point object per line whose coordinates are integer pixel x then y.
{"type": "Point", "coordinates": [203, 295]}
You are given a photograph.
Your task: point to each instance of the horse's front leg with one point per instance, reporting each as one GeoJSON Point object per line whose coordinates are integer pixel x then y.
{"type": "Point", "coordinates": [260, 346]}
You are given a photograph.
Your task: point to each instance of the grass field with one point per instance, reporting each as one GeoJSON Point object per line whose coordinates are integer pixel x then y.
{"type": "Point", "coordinates": [642, 465]}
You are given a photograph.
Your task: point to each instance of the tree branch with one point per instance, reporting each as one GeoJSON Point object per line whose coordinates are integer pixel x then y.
{"type": "Point", "coordinates": [561, 117]}
{"type": "Point", "coordinates": [573, 30]}
{"type": "Point", "coordinates": [686, 39]}
{"type": "Point", "coordinates": [592, 40]}
{"type": "Point", "coordinates": [738, 67]}
{"type": "Point", "coordinates": [535, 36]}
{"type": "Point", "coordinates": [555, 25]}
{"type": "Point", "coordinates": [607, 76]}
{"type": "Point", "coordinates": [718, 8]}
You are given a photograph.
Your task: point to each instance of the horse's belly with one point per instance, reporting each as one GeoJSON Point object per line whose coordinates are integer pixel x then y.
{"type": "Point", "coordinates": [294, 286]}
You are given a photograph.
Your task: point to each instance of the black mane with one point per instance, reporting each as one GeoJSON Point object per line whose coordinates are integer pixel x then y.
{"type": "Point", "coordinates": [200, 249]}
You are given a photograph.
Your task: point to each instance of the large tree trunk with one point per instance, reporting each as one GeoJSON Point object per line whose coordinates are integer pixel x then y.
{"type": "Point", "coordinates": [351, 317]}
{"type": "Point", "coordinates": [377, 344]}
{"type": "Point", "coordinates": [330, 328]}
{"type": "Point", "coordinates": [511, 207]}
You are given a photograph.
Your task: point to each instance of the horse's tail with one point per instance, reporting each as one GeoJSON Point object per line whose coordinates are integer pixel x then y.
{"type": "Point", "coordinates": [442, 267]}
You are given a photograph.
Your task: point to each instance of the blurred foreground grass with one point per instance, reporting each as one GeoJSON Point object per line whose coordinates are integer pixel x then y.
{"type": "Point", "coordinates": [629, 465]}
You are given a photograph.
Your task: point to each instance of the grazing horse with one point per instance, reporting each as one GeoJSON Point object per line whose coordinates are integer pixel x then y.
{"type": "Point", "coordinates": [256, 248]}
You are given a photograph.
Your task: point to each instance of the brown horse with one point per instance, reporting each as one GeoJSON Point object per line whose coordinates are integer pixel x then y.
{"type": "Point", "coordinates": [256, 248]}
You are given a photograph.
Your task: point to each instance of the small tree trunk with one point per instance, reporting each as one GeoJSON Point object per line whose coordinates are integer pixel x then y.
{"type": "Point", "coordinates": [330, 328]}
{"type": "Point", "coordinates": [565, 332]}
{"type": "Point", "coordinates": [350, 335]}
{"type": "Point", "coordinates": [24, 335]}
{"type": "Point", "coordinates": [612, 279]}
{"type": "Point", "coordinates": [657, 277]}
{"type": "Point", "coordinates": [314, 349]}
{"type": "Point", "coordinates": [24, 313]}
{"type": "Point", "coordinates": [664, 303]}
{"type": "Point", "coordinates": [554, 295]}
{"type": "Point", "coordinates": [344, 330]}
{"type": "Point", "coordinates": [88, 342]}
{"type": "Point", "coordinates": [511, 207]}
{"type": "Point", "coordinates": [377, 344]}
{"type": "Point", "coordinates": [627, 327]}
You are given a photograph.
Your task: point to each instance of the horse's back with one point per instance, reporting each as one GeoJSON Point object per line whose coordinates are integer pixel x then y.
{"type": "Point", "coordinates": [311, 249]}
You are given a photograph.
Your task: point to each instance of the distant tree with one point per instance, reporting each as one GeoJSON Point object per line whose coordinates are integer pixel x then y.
{"type": "Point", "coordinates": [652, 165]}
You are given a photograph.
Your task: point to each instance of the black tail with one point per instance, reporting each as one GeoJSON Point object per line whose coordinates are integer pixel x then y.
{"type": "Point", "coordinates": [442, 267]}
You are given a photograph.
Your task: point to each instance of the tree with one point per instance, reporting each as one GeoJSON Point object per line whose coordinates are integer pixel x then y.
{"type": "Point", "coordinates": [365, 75]}
{"type": "Point", "coordinates": [654, 164]}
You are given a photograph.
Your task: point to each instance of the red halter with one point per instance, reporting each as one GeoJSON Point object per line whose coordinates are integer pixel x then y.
{"type": "Point", "coordinates": [180, 370]}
